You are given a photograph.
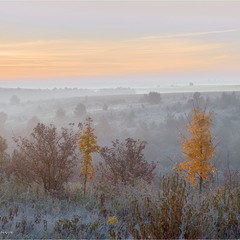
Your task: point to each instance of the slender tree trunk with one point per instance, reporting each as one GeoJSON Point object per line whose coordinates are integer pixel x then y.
{"type": "Point", "coordinates": [84, 184]}
{"type": "Point", "coordinates": [200, 185]}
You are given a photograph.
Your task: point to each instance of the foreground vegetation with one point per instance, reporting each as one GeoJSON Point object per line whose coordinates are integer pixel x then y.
{"type": "Point", "coordinates": [169, 208]}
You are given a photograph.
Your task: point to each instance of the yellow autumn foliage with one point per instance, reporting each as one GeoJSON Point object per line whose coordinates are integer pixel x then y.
{"type": "Point", "coordinates": [198, 148]}
{"type": "Point", "coordinates": [87, 145]}
{"type": "Point", "coordinates": [112, 220]}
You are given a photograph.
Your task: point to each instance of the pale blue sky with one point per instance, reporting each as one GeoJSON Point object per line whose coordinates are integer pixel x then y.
{"type": "Point", "coordinates": [106, 19]}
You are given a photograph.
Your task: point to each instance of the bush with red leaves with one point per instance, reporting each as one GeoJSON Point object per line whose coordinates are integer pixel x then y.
{"type": "Point", "coordinates": [125, 163]}
{"type": "Point", "coordinates": [46, 158]}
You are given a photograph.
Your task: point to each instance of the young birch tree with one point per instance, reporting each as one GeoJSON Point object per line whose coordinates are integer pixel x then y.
{"type": "Point", "coordinates": [87, 145]}
{"type": "Point", "coordinates": [198, 149]}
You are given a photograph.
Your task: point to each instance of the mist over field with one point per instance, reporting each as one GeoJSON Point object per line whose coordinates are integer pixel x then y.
{"type": "Point", "coordinates": [120, 113]}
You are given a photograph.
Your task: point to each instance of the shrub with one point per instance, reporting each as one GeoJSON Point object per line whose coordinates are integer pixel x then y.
{"type": "Point", "coordinates": [125, 163]}
{"type": "Point", "coordinates": [4, 157]}
{"type": "Point", "coordinates": [172, 217]}
{"type": "Point", "coordinates": [47, 158]}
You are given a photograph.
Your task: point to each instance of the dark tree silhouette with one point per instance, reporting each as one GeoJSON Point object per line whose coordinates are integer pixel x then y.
{"type": "Point", "coordinates": [152, 97]}
{"type": "Point", "coordinates": [80, 110]}
{"type": "Point", "coordinates": [14, 100]}
{"type": "Point", "coordinates": [60, 113]}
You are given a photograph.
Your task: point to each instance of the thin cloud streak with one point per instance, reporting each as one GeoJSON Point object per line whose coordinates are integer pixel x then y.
{"type": "Point", "coordinates": [182, 35]}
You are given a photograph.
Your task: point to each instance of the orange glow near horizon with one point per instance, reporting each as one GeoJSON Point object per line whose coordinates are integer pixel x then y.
{"type": "Point", "coordinates": [67, 58]}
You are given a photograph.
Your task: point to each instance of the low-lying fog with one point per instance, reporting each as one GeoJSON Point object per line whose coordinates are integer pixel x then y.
{"type": "Point", "coordinates": [124, 112]}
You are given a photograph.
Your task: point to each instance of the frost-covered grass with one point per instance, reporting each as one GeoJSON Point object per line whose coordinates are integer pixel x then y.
{"type": "Point", "coordinates": [29, 215]}
{"type": "Point", "coordinates": [167, 208]}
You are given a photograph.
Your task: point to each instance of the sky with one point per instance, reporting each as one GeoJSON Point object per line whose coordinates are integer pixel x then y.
{"type": "Point", "coordinates": [75, 42]}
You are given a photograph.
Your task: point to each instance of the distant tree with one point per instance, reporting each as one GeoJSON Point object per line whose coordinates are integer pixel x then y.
{"type": "Point", "coordinates": [105, 107]}
{"type": "Point", "coordinates": [196, 97]}
{"type": "Point", "coordinates": [47, 157]}
{"type": "Point", "coordinates": [87, 144]}
{"type": "Point", "coordinates": [14, 100]}
{"type": "Point", "coordinates": [153, 126]}
{"type": "Point", "coordinates": [227, 100]}
{"type": "Point", "coordinates": [125, 163]}
{"type": "Point", "coordinates": [152, 97]}
{"type": "Point", "coordinates": [60, 113]}
{"type": "Point", "coordinates": [80, 110]}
